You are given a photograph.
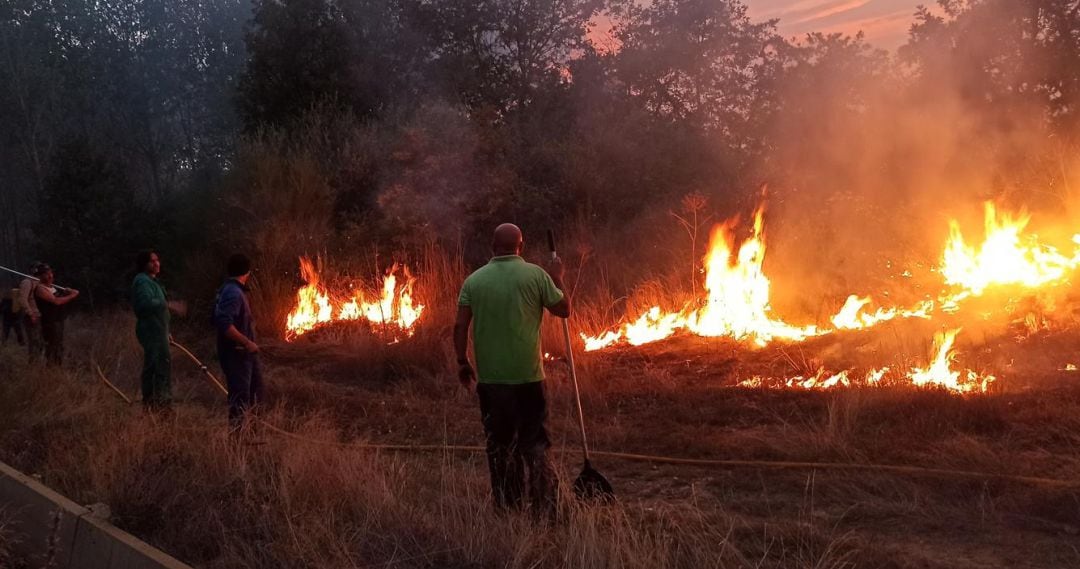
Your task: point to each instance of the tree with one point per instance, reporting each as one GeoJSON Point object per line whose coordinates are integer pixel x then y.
{"type": "Point", "coordinates": [500, 55]}
{"type": "Point", "coordinates": [89, 225]}
{"type": "Point", "coordinates": [703, 61]}
{"type": "Point", "coordinates": [1004, 57]}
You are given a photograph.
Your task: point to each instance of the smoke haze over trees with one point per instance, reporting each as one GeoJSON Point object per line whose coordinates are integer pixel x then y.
{"type": "Point", "coordinates": [303, 126]}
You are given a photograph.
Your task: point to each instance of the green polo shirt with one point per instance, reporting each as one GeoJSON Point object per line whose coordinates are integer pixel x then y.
{"type": "Point", "coordinates": [507, 297]}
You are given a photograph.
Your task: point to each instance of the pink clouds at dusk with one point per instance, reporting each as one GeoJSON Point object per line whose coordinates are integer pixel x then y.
{"type": "Point", "coordinates": [885, 22]}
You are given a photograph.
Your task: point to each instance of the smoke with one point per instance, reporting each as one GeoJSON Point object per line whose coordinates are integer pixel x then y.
{"type": "Point", "coordinates": [873, 155]}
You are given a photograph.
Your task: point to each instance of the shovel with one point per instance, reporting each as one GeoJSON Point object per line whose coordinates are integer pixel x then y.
{"type": "Point", "coordinates": [590, 484]}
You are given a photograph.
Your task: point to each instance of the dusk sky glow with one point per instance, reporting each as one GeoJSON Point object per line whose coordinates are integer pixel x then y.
{"type": "Point", "coordinates": [885, 22]}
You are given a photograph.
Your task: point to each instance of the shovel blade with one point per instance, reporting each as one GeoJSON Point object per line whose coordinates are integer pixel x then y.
{"type": "Point", "coordinates": [591, 485]}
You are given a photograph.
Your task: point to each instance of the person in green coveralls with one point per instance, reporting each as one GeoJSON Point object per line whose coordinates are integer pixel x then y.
{"type": "Point", "coordinates": [504, 302]}
{"type": "Point", "coordinates": [152, 310]}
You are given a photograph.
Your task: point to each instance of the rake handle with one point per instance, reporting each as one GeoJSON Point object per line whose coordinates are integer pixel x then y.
{"type": "Point", "coordinates": [570, 362]}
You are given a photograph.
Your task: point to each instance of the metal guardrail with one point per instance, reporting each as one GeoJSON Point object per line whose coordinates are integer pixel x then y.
{"type": "Point", "coordinates": [58, 533]}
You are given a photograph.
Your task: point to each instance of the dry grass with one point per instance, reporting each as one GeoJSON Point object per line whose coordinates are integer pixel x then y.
{"type": "Point", "coordinates": [183, 485]}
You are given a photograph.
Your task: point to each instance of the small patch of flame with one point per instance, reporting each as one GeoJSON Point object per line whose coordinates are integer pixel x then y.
{"type": "Point", "coordinates": [753, 382]}
{"type": "Point", "coordinates": [940, 373]}
{"type": "Point", "coordinates": [851, 316]}
{"type": "Point", "coordinates": [874, 376]}
{"type": "Point", "coordinates": [820, 380]}
{"type": "Point", "coordinates": [394, 307]}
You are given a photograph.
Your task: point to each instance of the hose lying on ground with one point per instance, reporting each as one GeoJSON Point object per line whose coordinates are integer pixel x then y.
{"type": "Point", "coordinates": [762, 464]}
{"type": "Point", "coordinates": [731, 463]}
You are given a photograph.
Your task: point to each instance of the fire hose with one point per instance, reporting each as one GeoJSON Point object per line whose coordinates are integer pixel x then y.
{"type": "Point", "coordinates": [202, 366]}
{"type": "Point", "coordinates": [719, 463]}
{"type": "Point", "coordinates": [659, 459]}
{"type": "Point", "coordinates": [681, 461]}
{"type": "Point", "coordinates": [674, 460]}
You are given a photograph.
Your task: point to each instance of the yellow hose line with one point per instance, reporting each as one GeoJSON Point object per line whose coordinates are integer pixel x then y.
{"type": "Point", "coordinates": [764, 464]}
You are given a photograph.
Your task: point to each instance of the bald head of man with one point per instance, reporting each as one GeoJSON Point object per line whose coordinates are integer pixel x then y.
{"type": "Point", "coordinates": [506, 240]}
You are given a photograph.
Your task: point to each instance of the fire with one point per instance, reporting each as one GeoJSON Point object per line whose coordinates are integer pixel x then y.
{"type": "Point", "coordinates": [395, 307]}
{"type": "Point", "coordinates": [736, 305]}
{"type": "Point", "coordinates": [851, 316]}
{"type": "Point", "coordinates": [1006, 256]}
{"type": "Point", "coordinates": [940, 373]}
{"type": "Point", "coordinates": [737, 301]}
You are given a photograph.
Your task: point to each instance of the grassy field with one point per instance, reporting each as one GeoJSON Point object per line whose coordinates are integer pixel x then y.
{"type": "Point", "coordinates": [317, 500]}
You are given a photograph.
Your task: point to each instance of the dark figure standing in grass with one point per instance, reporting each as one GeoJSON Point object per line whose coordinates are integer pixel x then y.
{"type": "Point", "coordinates": [236, 345]}
{"type": "Point", "coordinates": [152, 308]}
{"type": "Point", "coordinates": [505, 301]}
{"type": "Point", "coordinates": [11, 309]}
{"type": "Point", "coordinates": [51, 303]}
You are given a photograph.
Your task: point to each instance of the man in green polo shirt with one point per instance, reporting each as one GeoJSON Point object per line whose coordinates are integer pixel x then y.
{"type": "Point", "coordinates": [504, 301]}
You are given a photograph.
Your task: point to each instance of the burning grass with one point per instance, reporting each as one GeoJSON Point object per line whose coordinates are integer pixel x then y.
{"type": "Point", "coordinates": [392, 311]}
{"type": "Point", "coordinates": [737, 302]}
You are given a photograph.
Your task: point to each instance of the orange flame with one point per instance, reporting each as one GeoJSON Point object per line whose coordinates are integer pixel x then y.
{"type": "Point", "coordinates": [395, 307]}
{"type": "Point", "coordinates": [1006, 256]}
{"type": "Point", "coordinates": [736, 306]}
{"type": "Point", "coordinates": [851, 316]}
{"type": "Point", "coordinates": [940, 373]}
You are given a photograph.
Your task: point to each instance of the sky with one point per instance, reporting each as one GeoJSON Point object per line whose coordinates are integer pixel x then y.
{"type": "Point", "coordinates": [885, 22]}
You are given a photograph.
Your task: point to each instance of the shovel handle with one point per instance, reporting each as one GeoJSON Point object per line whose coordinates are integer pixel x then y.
{"type": "Point", "coordinates": [570, 363]}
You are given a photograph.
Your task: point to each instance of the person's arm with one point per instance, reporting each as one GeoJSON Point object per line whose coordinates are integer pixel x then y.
{"type": "Point", "coordinates": [225, 313]}
{"type": "Point", "coordinates": [177, 307]}
{"type": "Point", "coordinates": [43, 293]}
{"type": "Point", "coordinates": [235, 335]}
{"type": "Point", "coordinates": [555, 298]}
{"type": "Point", "coordinates": [461, 334]}
{"type": "Point", "coordinates": [466, 375]}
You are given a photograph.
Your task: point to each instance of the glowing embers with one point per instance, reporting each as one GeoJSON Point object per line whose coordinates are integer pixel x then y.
{"type": "Point", "coordinates": [394, 308]}
{"type": "Point", "coordinates": [1006, 257]}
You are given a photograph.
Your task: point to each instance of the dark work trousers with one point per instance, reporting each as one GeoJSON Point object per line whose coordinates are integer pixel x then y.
{"type": "Point", "coordinates": [156, 375]}
{"type": "Point", "coordinates": [13, 322]}
{"type": "Point", "coordinates": [517, 444]}
{"type": "Point", "coordinates": [34, 344]}
{"type": "Point", "coordinates": [243, 376]}
{"type": "Point", "coordinates": [52, 333]}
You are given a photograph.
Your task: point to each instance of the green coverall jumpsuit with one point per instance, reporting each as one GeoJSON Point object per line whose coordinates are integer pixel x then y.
{"type": "Point", "coordinates": [152, 330]}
